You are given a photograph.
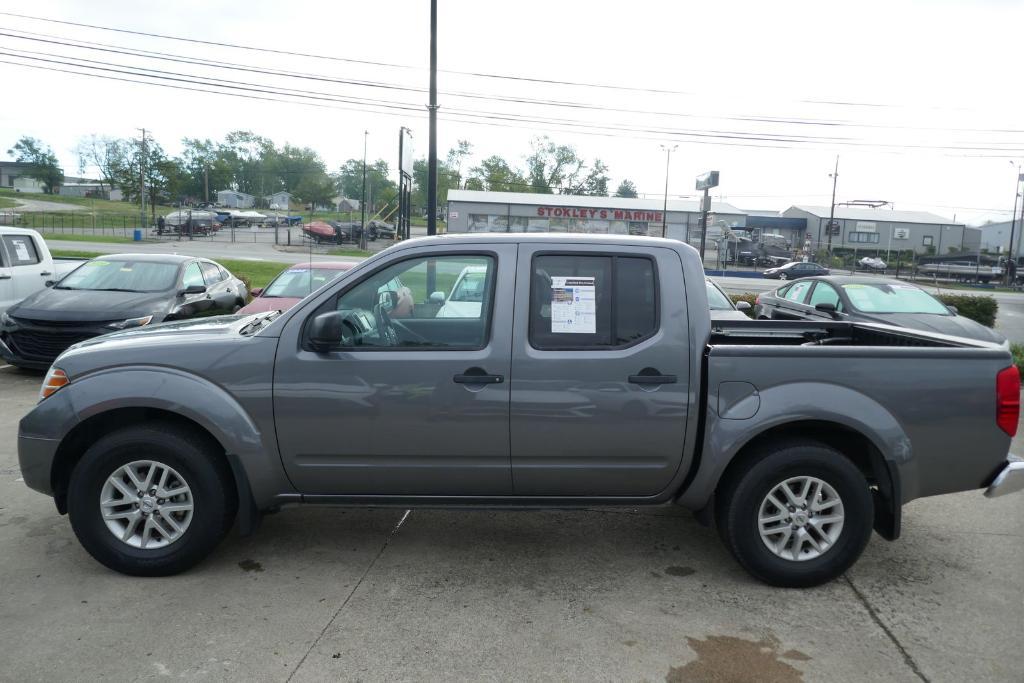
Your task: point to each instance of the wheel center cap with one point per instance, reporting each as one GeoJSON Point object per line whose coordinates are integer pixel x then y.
{"type": "Point", "coordinates": [148, 504]}
{"type": "Point", "coordinates": [800, 518]}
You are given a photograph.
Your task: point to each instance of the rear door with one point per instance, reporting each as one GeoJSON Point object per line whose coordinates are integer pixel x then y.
{"type": "Point", "coordinates": [218, 288]}
{"type": "Point", "coordinates": [28, 273]}
{"type": "Point", "coordinates": [6, 280]}
{"type": "Point", "coordinates": [791, 304]}
{"type": "Point", "coordinates": [600, 371]}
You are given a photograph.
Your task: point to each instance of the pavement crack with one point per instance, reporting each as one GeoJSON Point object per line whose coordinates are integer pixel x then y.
{"type": "Point", "coordinates": [334, 617]}
{"type": "Point", "coordinates": [907, 658]}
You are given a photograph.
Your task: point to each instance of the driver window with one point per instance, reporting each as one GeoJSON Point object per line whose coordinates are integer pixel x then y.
{"type": "Point", "coordinates": [824, 293]}
{"type": "Point", "coordinates": [193, 276]}
{"type": "Point", "coordinates": [438, 302]}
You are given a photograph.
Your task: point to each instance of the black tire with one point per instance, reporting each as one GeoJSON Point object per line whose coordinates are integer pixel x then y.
{"type": "Point", "coordinates": [740, 498]}
{"type": "Point", "coordinates": [204, 470]}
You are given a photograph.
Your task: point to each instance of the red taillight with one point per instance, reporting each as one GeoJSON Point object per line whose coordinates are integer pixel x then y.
{"type": "Point", "coordinates": [1008, 399]}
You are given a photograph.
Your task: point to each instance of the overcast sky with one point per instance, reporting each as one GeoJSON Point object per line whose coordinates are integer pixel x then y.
{"type": "Point", "coordinates": [917, 98]}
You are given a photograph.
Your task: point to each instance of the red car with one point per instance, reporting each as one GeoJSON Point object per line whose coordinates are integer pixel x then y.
{"type": "Point", "coordinates": [289, 288]}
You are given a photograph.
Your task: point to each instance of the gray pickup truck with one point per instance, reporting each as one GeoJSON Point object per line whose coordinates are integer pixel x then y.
{"type": "Point", "coordinates": [544, 371]}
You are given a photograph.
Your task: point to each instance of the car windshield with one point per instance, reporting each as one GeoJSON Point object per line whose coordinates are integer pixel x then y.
{"type": "Point", "coordinates": [298, 282]}
{"type": "Point", "coordinates": [122, 275]}
{"type": "Point", "coordinates": [470, 288]}
{"type": "Point", "coordinates": [717, 301]}
{"type": "Point", "coordinates": [892, 298]}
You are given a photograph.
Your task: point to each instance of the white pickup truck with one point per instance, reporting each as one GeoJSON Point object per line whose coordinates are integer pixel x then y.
{"type": "Point", "coordinates": [26, 265]}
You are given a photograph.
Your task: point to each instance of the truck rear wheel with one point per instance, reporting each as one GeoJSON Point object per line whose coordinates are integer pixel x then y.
{"type": "Point", "coordinates": [151, 500]}
{"type": "Point", "coordinates": [800, 516]}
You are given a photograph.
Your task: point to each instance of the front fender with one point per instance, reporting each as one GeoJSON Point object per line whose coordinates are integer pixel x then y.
{"type": "Point", "coordinates": [187, 395]}
{"type": "Point", "coordinates": [793, 403]}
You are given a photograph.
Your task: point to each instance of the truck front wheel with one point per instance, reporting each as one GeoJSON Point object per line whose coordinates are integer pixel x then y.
{"type": "Point", "coordinates": [151, 500]}
{"type": "Point", "coordinates": [799, 516]}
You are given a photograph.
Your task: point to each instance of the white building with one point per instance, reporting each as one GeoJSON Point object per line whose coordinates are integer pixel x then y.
{"type": "Point", "coordinates": [234, 199]}
{"type": "Point", "coordinates": [281, 200]}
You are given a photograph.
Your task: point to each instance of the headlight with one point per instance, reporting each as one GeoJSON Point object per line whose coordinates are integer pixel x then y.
{"type": "Point", "coordinates": [131, 322]}
{"type": "Point", "coordinates": [55, 379]}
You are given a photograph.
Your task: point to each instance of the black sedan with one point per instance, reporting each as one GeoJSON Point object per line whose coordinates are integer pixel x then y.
{"type": "Point", "coordinates": [110, 293]}
{"type": "Point", "coordinates": [868, 299]}
{"type": "Point", "coordinates": [794, 270]}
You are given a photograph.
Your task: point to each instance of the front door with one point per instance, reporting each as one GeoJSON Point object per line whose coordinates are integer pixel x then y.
{"type": "Point", "coordinates": [600, 371]}
{"type": "Point", "coordinates": [408, 402]}
{"type": "Point", "coordinates": [27, 272]}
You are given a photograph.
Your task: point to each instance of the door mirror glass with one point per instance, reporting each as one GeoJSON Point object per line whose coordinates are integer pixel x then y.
{"type": "Point", "coordinates": [742, 305]}
{"type": "Point", "coordinates": [325, 331]}
{"type": "Point", "coordinates": [387, 300]}
{"type": "Point", "coordinates": [437, 298]}
{"type": "Point", "coordinates": [49, 283]}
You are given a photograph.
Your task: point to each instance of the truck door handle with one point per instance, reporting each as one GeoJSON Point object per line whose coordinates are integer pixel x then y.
{"type": "Point", "coordinates": [46, 272]}
{"type": "Point", "coordinates": [5, 277]}
{"type": "Point", "coordinates": [477, 376]}
{"type": "Point", "coordinates": [651, 376]}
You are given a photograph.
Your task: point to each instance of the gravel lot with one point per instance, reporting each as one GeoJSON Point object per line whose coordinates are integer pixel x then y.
{"type": "Point", "coordinates": [613, 594]}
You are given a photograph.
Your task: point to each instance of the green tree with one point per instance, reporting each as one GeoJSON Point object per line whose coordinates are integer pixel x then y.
{"type": "Point", "coordinates": [100, 153]}
{"type": "Point", "coordinates": [497, 175]}
{"type": "Point", "coordinates": [626, 189]}
{"type": "Point", "coordinates": [205, 166]}
{"type": "Point", "coordinates": [552, 167]}
{"type": "Point", "coordinates": [380, 189]}
{"type": "Point", "coordinates": [161, 173]}
{"type": "Point", "coordinates": [449, 176]}
{"type": "Point", "coordinates": [45, 167]}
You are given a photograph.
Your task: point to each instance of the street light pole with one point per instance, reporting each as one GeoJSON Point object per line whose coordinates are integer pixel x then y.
{"type": "Point", "coordinates": [664, 210]}
{"type": "Point", "coordinates": [142, 182]}
{"type": "Point", "coordinates": [432, 144]}
{"type": "Point", "coordinates": [362, 203]}
{"type": "Point", "coordinates": [1013, 222]}
{"type": "Point", "coordinates": [832, 211]}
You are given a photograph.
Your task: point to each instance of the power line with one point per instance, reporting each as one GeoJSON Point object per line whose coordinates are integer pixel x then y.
{"type": "Point", "coordinates": [693, 135]}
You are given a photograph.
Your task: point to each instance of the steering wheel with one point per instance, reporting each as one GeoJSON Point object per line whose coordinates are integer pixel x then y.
{"type": "Point", "coordinates": [385, 328]}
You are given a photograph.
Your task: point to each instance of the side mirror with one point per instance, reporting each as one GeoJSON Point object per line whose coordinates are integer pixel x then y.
{"type": "Point", "coordinates": [387, 300]}
{"type": "Point", "coordinates": [49, 283]}
{"type": "Point", "coordinates": [325, 331]}
{"type": "Point", "coordinates": [437, 297]}
{"type": "Point", "coordinates": [193, 289]}
{"type": "Point", "coordinates": [742, 305]}
{"type": "Point", "coordinates": [827, 308]}
{"type": "Point", "coordinates": [256, 292]}
{"type": "Point", "coordinates": [954, 310]}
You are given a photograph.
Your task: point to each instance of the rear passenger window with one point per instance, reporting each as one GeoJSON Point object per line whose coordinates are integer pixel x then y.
{"type": "Point", "coordinates": [798, 291]}
{"type": "Point", "coordinates": [211, 273]}
{"type": "Point", "coordinates": [21, 249]}
{"type": "Point", "coordinates": [592, 301]}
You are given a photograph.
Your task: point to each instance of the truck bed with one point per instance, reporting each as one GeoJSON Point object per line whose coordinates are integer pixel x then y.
{"type": "Point", "coordinates": [803, 333]}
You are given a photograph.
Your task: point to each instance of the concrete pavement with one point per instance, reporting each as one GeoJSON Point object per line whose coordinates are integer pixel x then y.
{"type": "Point", "coordinates": [610, 594]}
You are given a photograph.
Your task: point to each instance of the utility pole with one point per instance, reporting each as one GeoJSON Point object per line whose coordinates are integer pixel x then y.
{"type": "Point", "coordinates": [432, 144]}
{"type": "Point", "coordinates": [142, 181]}
{"type": "Point", "coordinates": [362, 203]}
{"type": "Point", "coordinates": [206, 185]}
{"type": "Point", "coordinates": [1010, 253]}
{"type": "Point", "coordinates": [832, 211]}
{"type": "Point", "coordinates": [664, 211]}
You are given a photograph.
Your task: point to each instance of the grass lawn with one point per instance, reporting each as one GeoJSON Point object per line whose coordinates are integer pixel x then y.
{"type": "Point", "coordinates": [255, 273]}
{"type": "Point", "coordinates": [71, 237]}
{"type": "Point", "coordinates": [6, 203]}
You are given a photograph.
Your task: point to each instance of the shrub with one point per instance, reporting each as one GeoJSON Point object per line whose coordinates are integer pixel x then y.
{"type": "Point", "coordinates": [981, 309]}
{"type": "Point", "coordinates": [1018, 356]}
{"type": "Point", "coordinates": [749, 298]}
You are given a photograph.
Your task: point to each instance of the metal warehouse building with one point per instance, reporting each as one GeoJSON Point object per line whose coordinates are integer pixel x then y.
{"type": "Point", "coordinates": [480, 211]}
{"type": "Point", "coordinates": [887, 230]}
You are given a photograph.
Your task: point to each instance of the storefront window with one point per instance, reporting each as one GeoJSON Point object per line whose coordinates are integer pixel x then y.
{"type": "Point", "coordinates": [538, 225]}
{"type": "Point", "coordinates": [497, 223]}
{"type": "Point", "coordinates": [518, 224]}
{"type": "Point", "coordinates": [477, 222]}
{"type": "Point", "coordinates": [559, 225]}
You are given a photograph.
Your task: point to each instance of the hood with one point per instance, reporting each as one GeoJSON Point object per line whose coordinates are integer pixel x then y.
{"type": "Point", "coordinates": [728, 315]}
{"type": "Point", "coordinates": [83, 305]}
{"type": "Point", "coordinates": [955, 325]}
{"type": "Point", "coordinates": [190, 331]}
{"type": "Point", "coordinates": [262, 304]}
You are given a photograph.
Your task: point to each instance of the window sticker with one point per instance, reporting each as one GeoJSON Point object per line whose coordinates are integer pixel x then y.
{"type": "Point", "coordinates": [573, 305]}
{"type": "Point", "coordinates": [22, 250]}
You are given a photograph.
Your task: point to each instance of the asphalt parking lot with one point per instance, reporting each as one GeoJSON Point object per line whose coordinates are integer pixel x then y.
{"type": "Point", "coordinates": [610, 594]}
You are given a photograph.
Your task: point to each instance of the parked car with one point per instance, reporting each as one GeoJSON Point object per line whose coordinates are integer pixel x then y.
{"type": "Point", "coordinates": [795, 270]}
{"type": "Point", "coordinates": [294, 284]}
{"type": "Point", "coordinates": [591, 376]}
{"type": "Point", "coordinates": [466, 297]}
{"type": "Point", "coordinates": [871, 263]}
{"type": "Point", "coordinates": [722, 307]}
{"type": "Point", "coordinates": [869, 299]}
{"type": "Point", "coordinates": [380, 229]}
{"type": "Point", "coordinates": [26, 265]}
{"type": "Point", "coordinates": [116, 292]}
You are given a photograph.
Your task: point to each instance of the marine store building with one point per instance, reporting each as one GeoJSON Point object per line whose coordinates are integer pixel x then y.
{"type": "Point", "coordinates": [481, 211]}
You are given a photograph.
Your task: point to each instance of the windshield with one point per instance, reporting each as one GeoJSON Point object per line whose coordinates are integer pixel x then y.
{"type": "Point", "coordinates": [717, 301]}
{"type": "Point", "coordinates": [470, 288]}
{"type": "Point", "coordinates": [893, 298]}
{"type": "Point", "coordinates": [298, 282]}
{"type": "Point", "coordinates": [122, 275]}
